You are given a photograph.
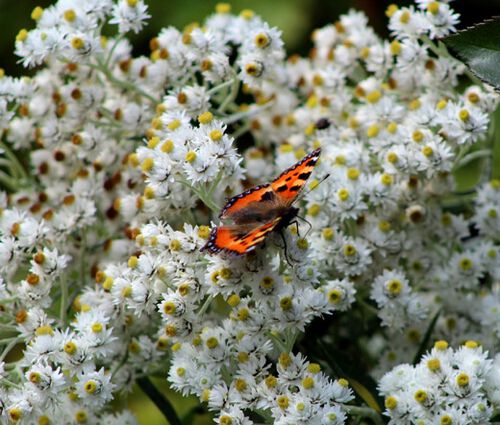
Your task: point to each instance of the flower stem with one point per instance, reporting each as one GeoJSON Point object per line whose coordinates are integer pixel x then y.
{"type": "Point", "coordinates": [112, 50]}
{"type": "Point", "coordinates": [466, 159]}
{"type": "Point", "coordinates": [159, 400]}
{"type": "Point", "coordinates": [121, 83]}
{"type": "Point", "coordinates": [8, 182]}
{"type": "Point", "coordinates": [231, 97]}
{"type": "Point", "coordinates": [364, 412]}
{"type": "Point", "coordinates": [245, 114]}
{"type": "Point", "coordinates": [215, 89]}
{"type": "Point", "coordinates": [64, 300]}
{"type": "Point", "coordinates": [9, 347]}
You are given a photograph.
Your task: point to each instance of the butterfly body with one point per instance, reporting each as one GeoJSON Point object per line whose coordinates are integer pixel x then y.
{"type": "Point", "coordinates": [261, 210]}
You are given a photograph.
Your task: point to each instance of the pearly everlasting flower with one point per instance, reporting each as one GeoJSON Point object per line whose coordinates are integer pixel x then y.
{"type": "Point", "coordinates": [129, 15]}
{"type": "Point", "coordinates": [412, 394]}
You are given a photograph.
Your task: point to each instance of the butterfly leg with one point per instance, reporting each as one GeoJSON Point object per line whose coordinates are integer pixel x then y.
{"type": "Point", "coordinates": [284, 248]}
{"type": "Point", "coordinates": [307, 222]}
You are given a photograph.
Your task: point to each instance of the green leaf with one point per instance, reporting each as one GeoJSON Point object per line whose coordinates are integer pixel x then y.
{"type": "Point", "coordinates": [426, 339]}
{"type": "Point", "coordinates": [479, 48]}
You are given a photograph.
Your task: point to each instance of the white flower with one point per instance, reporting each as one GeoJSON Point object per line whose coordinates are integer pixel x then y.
{"type": "Point", "coordinates": [129, 15]}
{"type": "Point", "coordinates": [94, 388]}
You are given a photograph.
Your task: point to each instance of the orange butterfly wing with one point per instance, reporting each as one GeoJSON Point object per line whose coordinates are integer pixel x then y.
{"type": "Point", "coordinates": [244, 200]}
{"type": "Point", "coordinates": [284, 189]}
{"type": "Point", "coordinates": [291, 181]}
{"type": "Point", "coordinates": [238, 239]}
{"type": "Point", "coordinates": [257, 211]}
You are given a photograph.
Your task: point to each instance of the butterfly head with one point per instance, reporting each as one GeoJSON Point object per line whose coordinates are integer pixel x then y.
{"type": "Point", "coordinates": [288, 217]}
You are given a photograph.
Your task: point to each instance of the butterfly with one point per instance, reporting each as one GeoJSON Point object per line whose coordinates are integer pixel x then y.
{"type": "Point", "coordinates": [261, 210]}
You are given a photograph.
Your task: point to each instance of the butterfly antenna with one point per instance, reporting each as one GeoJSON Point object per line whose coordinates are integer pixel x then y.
{"type": "Point", "coordinates": [304, 194]}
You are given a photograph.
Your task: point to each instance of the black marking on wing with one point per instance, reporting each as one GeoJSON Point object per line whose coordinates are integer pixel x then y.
{"type": "Point", "coordinates": [268, 196]}
{"type": "Point", "coordinates": [312, 158]}
{"type": "Point", "coordinates": [304, 176]}
{"type": "Point", "coordinates": [282, 188]}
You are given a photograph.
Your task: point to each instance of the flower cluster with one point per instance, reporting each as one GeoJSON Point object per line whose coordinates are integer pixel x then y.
{"type": "Point", "coordinates": [115, 166]}
{"type": "Point", "coordinates": [446, 386]}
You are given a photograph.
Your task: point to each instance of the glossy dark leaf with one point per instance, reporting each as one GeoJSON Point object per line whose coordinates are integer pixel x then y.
{"type": "Point", "coordinates": [479, 48]}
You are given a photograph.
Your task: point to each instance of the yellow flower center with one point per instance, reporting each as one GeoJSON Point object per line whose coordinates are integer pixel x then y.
{"type": "Point", "coordinates": [335, 296]}
{"type": "Point", "coordinates": [466, 264]}
{"type": "Point", "coordinates": [262, 40]}
{"type": "Point", "coordinates": [433, 7]}
{"type": "Point", "coordinates": [464, 115]}
{"type": "Point", "coordinates": [391, 402]}
{"type": "Point", "coordinates": [386, 179]}
{"type": "Point", "coordinates": [97, 327]}
{"type": "Point", "coordinates": [394, 287]}
{"type": "Point", "coordinates": [392, 157]}
{"type": "Point", "coordinates": [308, 382]}
{"type": "Point", "coordinates": [462, 380]}
{"type": "Point", "coordinates": [350, 250]}
{"type": "Point", "coordinates": [169, 307]}
{"type": "Point", "coordinates": [343, 194]}
{"type": "Point", "coordinates": [283, 401]}
{"type": "Point", "coordinates": [216, 135]}
{"type": "Point", "coordinates": [37, 13]}
{"type": "Point", "coordinates": [70, 347]}
{"type": "Point", "coordinates": [90, 386]}
{"type": "Point", "coordinates": [191, 156]}
{"type": "Point", "coordinates": [446, 420]}
{"type": "Point", "coordinates": [420, 396]}
{"type": "Point", "coordinates": [405, 17]}
{"type": "Point", "coordinates": [212, 342]}
{"type": "Point", "coordinates": [286, 303]}
{"type": "Point", "coordinates": [433, 364]}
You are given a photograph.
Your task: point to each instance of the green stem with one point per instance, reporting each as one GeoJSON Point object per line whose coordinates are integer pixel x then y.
{"type": "Point", "coordinates": [205, 306]}
{"type": "Point", "coordinates": [425, 341]}
{"type": "Point", "coordinates": [8, 383]}
{"type": "Point", "coordinates": [205, 198]}
{"type": "Point", "coordinates": [368, 307]}
{"type": "Point", "coordinates": [215, 183]}
{"type": "Point", "coordinates": [113, 48]}
{"type": "Point", "coordinates": [17, 167]}
{"type": "Point", "coordinates": [119, 365]}
{"type": "Point", "coordinates": [241, 130]}
{"type": "Point", "coordinates": [83, 266]}
{"type": "Point", "coordinates": [64, 299]}
{"type": "Point", "coordinates": [121, 83]}
{"type": "Point", "coordinates": [231, 97]}
{"type": "Point", "coordinates": [8, 327]}
{"type": "Point", "coordinates": [290, 338]}
{"type": "Point", "coordinates": [466, 159]}
{"type": "Point", "coordinates": [9, 347]}
{"type": "Point", "coordinates": [364, 412]}
{"type": "Point", "coordinates": [159, 400]}
{"type": "Point", "coordinates": [8, 182]}
{"type": "Point", "coordinates": [215, 89]}
{"type": "Point", "coordinates": [246, 114]}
